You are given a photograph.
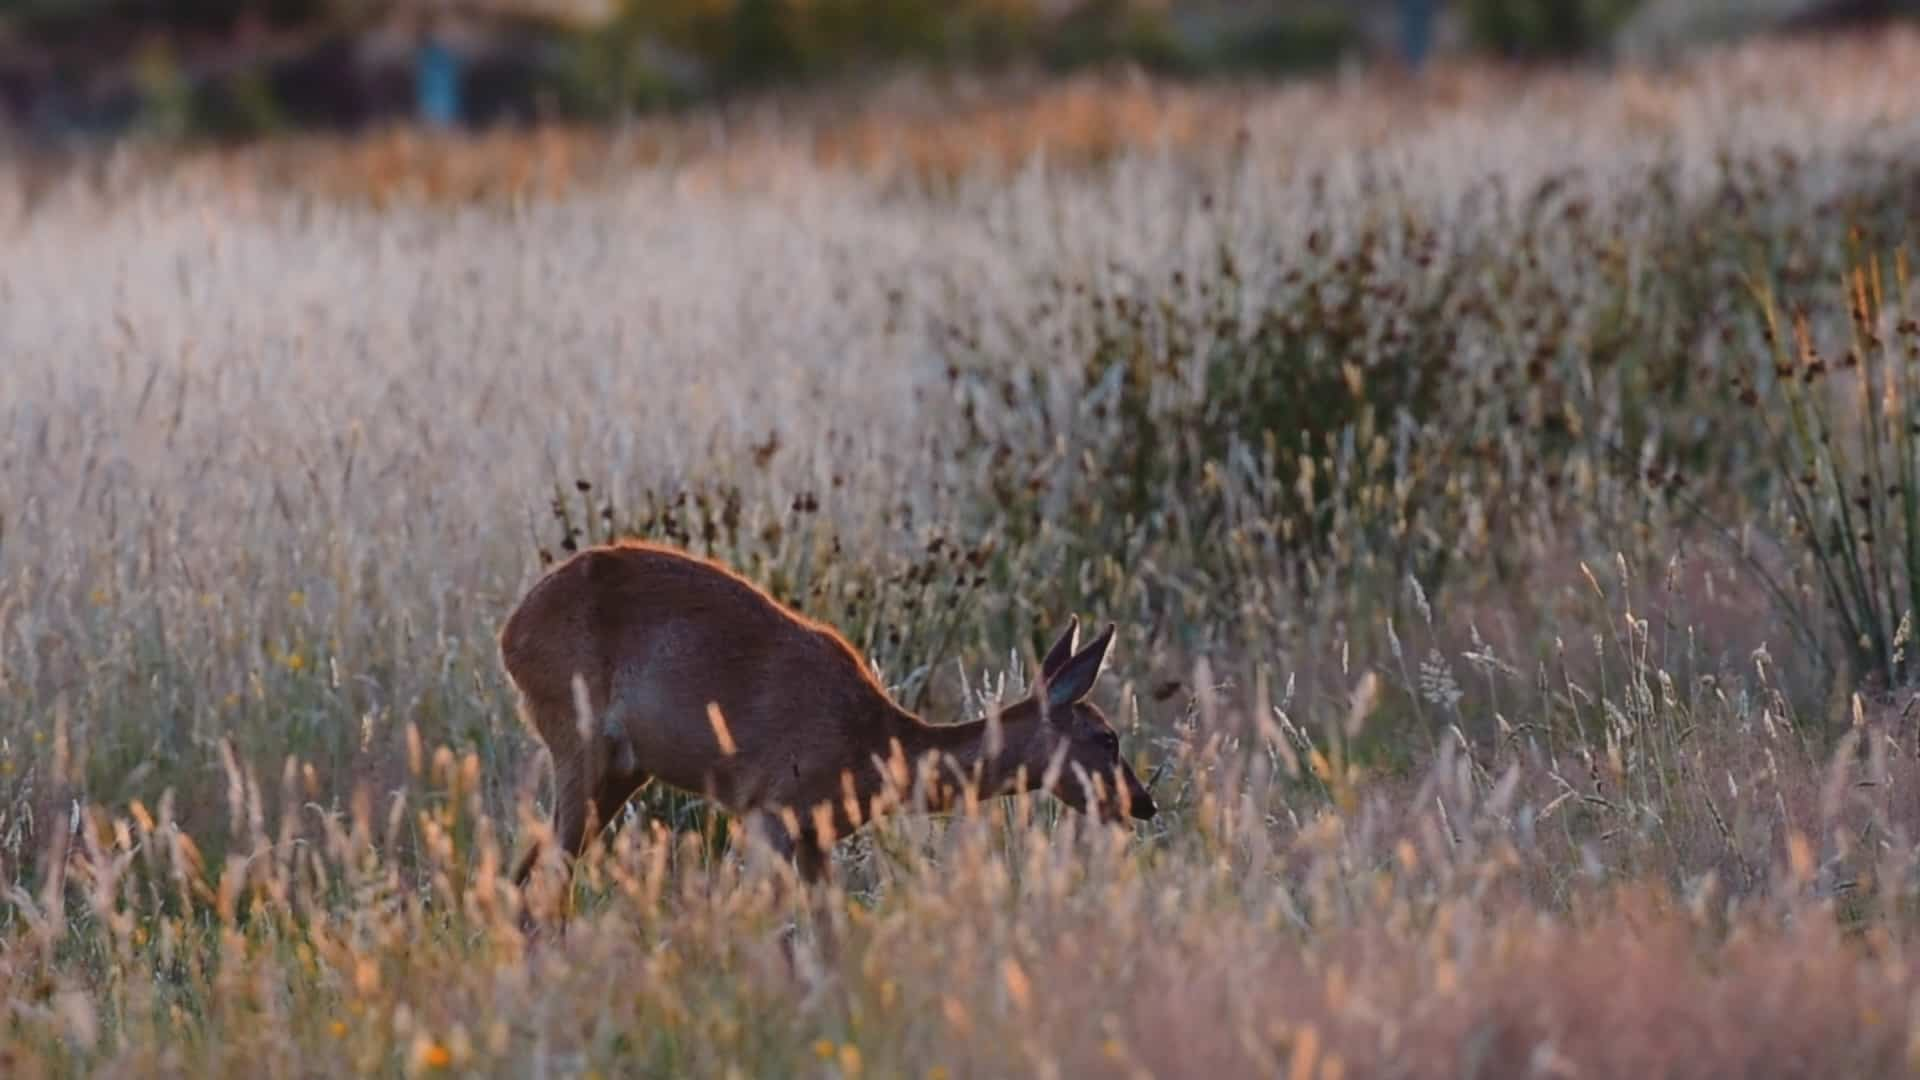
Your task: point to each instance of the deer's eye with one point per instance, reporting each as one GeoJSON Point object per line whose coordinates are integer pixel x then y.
{"type": "Point", "coordinates": [1109, 741]}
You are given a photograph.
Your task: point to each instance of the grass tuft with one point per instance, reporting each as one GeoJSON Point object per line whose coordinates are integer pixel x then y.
{"type": "Point", "coordinates": [1504, 495]}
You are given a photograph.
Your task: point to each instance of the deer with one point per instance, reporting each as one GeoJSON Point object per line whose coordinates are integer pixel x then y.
{"type": "Point", "coordinates": [636, 663]}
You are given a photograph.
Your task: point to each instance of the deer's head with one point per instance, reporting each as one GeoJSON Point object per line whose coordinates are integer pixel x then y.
{"type": "Point", "coordinates": [1068, 739]}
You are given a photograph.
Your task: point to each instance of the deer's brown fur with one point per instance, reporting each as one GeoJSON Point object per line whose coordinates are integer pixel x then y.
{"type": "Point", "coordinates": [623, 654]}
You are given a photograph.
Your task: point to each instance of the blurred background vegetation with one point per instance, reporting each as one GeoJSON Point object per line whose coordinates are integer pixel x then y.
{"type": "Point", "coordinates": [247, 68]}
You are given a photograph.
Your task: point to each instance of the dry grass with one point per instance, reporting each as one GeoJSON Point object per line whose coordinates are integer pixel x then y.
{"type": "Point", "coordinates": [1484, 676]}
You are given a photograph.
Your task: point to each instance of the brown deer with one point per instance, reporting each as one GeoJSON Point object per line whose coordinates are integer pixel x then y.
{"type": "Point", "coordinates": [635, 662]}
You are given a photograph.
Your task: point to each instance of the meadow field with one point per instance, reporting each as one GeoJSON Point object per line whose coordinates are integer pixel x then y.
{"type": "Point", "coordinates": [1504, 484]}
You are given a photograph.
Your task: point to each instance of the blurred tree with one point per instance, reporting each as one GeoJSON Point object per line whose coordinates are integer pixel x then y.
{"type": "Point", "coordinates": [766, 44]}
{"type": "Point", "coordinates": [1538, 29]}
{"type": "Point", "coordinates": [249, 66]}
{"type": "Point", "coordinates": [841, 31]}
{"type": "Point", "coordinates": [662, 51]}
{"type": "Point", "coordinates": [77, 18]}
{"type": "Point", "coordinates": [1103, 31]}
{"type": "Point", "coordinates": [993, 32]}
{"type": "Point", "coordinates": [1302, 38]}
{"type": "Point", "coordinates": [1837, 13]}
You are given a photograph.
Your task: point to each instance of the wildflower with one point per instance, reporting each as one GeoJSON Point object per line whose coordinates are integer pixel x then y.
{"type": "Point", "coordinates": [338, 1029]}
{"type": "Point", "coordinates": [823, 1049]}
{"type": "Point", "coordinates": [294, 661]}
{"type": "Point", "coordinates": [850, 1060]}
{"type": "Point", "coordinates": [296, 599]}
{"type": "Point", "coordinates": [429, 1054]}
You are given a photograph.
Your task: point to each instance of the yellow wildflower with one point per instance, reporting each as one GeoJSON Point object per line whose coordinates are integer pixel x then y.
{"type": "Point", "coordinates": [428, 1054]}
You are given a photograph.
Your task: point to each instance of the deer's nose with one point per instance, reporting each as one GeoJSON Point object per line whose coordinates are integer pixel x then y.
{"type": "Point", "coordinates": [1143, 808]}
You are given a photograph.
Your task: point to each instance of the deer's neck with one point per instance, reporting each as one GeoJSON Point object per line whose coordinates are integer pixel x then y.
{"type": "Point", "coordinates": [946, 757]}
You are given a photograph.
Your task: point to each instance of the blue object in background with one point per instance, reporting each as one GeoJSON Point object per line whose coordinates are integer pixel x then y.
{"type": "Point", "coordinates": [437, 84]}
{"type": "Point", "coordinates": [1416, 30]}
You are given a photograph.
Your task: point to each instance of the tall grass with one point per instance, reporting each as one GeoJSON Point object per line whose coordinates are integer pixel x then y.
{"type": "Point", "coordinates": [1476, 638]}
{"type": "Point", "coordinates": [1844, 442]}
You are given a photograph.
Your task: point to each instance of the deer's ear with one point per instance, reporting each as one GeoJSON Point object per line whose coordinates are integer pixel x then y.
{"type": "Point", "coordinates": [1062, 650]}
{"type": "Point", "coordinates": [1076, 676]}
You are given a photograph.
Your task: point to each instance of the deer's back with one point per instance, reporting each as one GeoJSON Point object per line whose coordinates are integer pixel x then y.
{"type": "Point", "coordinates": [656, 635]}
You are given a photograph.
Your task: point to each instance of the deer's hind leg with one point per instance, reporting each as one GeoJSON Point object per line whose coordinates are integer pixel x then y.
{"type": "Point", "coordinates": [611, 795]}
{"type": "Point", "coordinates": [594, 775]}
